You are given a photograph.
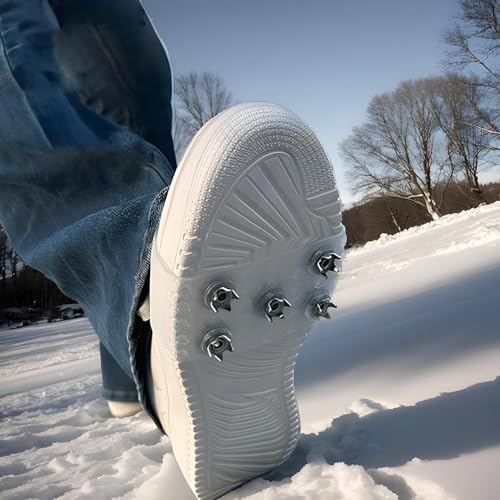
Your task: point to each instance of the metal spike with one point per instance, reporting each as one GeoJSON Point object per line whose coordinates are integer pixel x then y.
{"type": "Point", "coordinates": [274, 307]}
{"type": "Point", "coordinates": [321, 307]}
{"type": "Point", "coordinates": [325, 262]}
{"type": "Point", "coordinates": [216, 342]}
{"type": "Point", "coordinates": [220, 296]}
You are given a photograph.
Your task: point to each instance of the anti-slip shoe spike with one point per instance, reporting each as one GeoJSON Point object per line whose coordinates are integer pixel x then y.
{"type": "Point", "coordinates": [216, 342]}
{"type": "Point", "coordinates": [322, 306]}
{"type": "Point", "coordinates": [325, 262]}
{"type": "Point", "coordinates": [220, 296]}
{"type": "Point", "coordinates": [275, 306]}
{"type": "Point", "coordinates": [252, 201]}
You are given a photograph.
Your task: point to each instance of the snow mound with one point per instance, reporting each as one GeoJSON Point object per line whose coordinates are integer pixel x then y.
{"type": "Point", "coordinates": [318, 481]}
{"type": "Point", "coordinates": [445, 221]}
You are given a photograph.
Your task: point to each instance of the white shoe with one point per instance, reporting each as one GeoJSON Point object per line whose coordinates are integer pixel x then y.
{"type": "Point", "coordinates": [239, 273]}
{"type": "Point", "coordinates": [120, 409]}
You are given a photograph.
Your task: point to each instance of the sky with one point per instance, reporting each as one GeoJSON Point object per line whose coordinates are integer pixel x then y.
{"type": "Point", "coordinates": [323, 59]}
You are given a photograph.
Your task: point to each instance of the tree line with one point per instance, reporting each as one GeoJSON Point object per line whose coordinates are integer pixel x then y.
{"type": "Point", "coordinates": [24, 292]}
{"type": "Point", "coordinates": [368, 220]}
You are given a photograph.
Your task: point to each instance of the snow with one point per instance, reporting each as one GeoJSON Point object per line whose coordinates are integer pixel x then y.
{"type": "Point", "coordinates": [399, 393]}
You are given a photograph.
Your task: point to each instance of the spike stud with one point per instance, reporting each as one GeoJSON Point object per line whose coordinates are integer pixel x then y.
{"type": "Point", "coordinates": [216, 342]}
{"type": "Point", "coordinates": [324, 262]}
{"type": "Point", "coordinates": [275, 306]}
{"type": "Point", "coordinates": [320, 307]}
{"type": "Point", "coordinates": [219, 296]}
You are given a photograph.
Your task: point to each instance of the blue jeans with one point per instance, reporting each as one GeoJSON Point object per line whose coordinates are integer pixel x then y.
{"type": "Point", "coordinates": [86, 158]}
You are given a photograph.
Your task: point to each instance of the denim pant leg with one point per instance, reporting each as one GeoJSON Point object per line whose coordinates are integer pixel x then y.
{"type": "Point", "coordinates": [117, 384]}
{"type": "Point", "coordinates": [80, 197]}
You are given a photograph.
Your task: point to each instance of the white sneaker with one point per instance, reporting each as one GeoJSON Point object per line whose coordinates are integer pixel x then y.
{"type": "Point", "coordinates": [120, 409]}
{"type": "Point", "coordinates": [250, 230]}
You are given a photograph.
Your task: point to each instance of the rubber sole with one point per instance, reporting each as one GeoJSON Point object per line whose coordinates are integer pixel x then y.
{"type": "Point", "coordinates": [253, 201]}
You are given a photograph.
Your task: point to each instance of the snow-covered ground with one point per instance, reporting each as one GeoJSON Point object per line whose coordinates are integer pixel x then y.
{"type": "Point", "coordinates": [399, 393]}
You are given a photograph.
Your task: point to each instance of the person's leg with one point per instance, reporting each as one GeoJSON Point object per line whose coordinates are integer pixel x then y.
{"type": "Point", "coordinates": [119, 389]}
{"type": "Point", "coordinates": [79, 195]}
{"type": "Point", "coordinates": [114, 61]}
{"type": "Point", "coordinates": [117, 384]}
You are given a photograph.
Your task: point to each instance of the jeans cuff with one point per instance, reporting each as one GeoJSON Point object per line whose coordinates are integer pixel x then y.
{"type": "Point", "coordinates": [120, 395]}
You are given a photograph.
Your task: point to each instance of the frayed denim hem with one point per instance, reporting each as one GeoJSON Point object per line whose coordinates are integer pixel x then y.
{"type": "Point", "coordinates": [139, 332]}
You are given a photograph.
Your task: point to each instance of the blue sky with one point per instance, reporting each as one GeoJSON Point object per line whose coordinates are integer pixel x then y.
{"type": "Point", "coordinates": [323, 59]}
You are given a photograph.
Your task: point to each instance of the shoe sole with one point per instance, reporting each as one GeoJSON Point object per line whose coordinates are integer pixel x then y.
{"type": "Point", "coordinates": [254, 198]}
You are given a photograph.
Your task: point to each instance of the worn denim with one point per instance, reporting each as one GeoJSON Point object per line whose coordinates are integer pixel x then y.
{"type": "Point", "coordinates": [86, 158]}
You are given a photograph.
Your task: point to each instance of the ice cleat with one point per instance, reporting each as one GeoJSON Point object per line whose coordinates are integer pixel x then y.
{"type": "Point", "coordinates": [220, 296]}
{"type": "Point", "coordinates": [274, 307]}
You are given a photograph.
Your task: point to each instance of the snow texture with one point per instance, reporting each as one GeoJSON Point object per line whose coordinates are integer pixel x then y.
{"type": "Point", "coordinates": [399, 393]}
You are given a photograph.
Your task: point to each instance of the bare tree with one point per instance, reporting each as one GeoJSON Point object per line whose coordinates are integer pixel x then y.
{"type": "Point", "coordinates": [9, 259]}
{"type": "Point", "coordinates": [183, 133]}
{"type": "Point", "coordinates": [3, 256]}
{"type": "Point", "coordinates": [199, 97]}
{"type": "Point", "coordinates": [398, 152]}
{"type": "Point", "coordinates": [392, 213]}
{"type": "Point", "coordinates": [455, 99]}
{"type": "Point", "coordinates": [14, 262]}
{"type": "Point", "coordinates": [474, 43]}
